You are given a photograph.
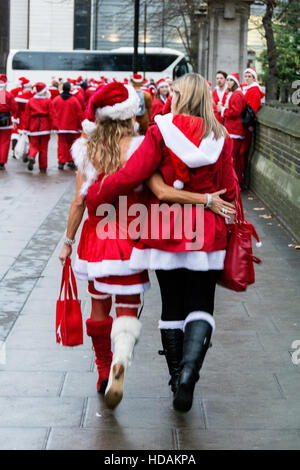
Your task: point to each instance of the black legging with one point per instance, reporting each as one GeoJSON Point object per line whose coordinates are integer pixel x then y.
{"type": "Point", "coordinates": [184, 291]}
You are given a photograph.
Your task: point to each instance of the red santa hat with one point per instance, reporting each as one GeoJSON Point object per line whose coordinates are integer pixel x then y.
{"type": "Point", "coordinates": [252, 71]}
{"type": "Point", "coordinates": [40, 88]}
{"type": "Point", "coordinates": [161, 82]}
{"type": "Point", "coordinates": [3, 80]}
{"type": "Point", "coordinates": [113, 101]}
{"type": "Point", "coordinates": [125, 81]}
{"type": "Point", "coordinates": [208, 83]}
{"type": "Point", "coordinates": [235, 77]}
{"type": "Point", "coordinates": [137, 78]}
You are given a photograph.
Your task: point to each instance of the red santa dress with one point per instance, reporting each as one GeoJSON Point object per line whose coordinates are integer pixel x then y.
{"type": "Point", "coordinates": [105, 246]}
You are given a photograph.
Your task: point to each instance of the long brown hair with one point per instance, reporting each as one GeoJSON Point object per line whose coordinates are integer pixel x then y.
{"type": "Point", "coordinates": [103, 145]}
{"type": "Point", "coordinates": [194, 99]}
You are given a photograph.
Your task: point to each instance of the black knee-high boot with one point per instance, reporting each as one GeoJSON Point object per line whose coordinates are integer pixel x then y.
{"type": "Point", "coordinates": [196, 342]}
{"type": "Point", "coordinates": [172, 341]}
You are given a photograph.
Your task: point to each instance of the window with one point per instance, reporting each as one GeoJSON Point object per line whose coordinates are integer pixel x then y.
{"type": "Point", "coordinates": [90, 61]}
{"type": "Point", "coordinates": [82, 24]}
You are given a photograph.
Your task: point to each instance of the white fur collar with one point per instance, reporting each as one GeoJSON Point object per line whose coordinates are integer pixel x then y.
{"type": "Point", "coordinates": [84, 165]}
{"type": "Point", "coordinates": [207, 153]}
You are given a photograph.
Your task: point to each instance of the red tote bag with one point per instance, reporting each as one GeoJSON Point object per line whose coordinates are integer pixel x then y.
{"type": "Point", "coordinates": [69, 329]}
{"type": "Point", "coordinates": [239, 261]}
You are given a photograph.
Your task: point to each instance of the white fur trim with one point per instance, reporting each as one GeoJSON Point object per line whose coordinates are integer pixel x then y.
{"type": "Point", "coordinates": [126, 324]}
{"type": "Point", "coordinates": [15, 120]}
{"type": "Point", "coordinates": [7, 127]}
{"type": "Point", "coordinates": [234, 79]}
{"type": "Point", "coordinates": [125, 333]}
{"type": "Point", "coordinates": [234, 136]}
{"type": "Point", "coordinates": [207, 153]}
{"type": "Point", "coordinates": [99, 297]}
{"type": "Point", "coordinates": [151, 258]}
{"type": "Point", "coordinates": [199, 315]}
{"type": "Point", "coordinates": [88, 126]}
{"type": "Point", "coordinates": [170, 325]}
{"type": "Point", "coordinates": [178, 184]}
{"type": "Point", "coordinates": [125, 110]}
{"type": "Point", "coordinates": [122, 289]}
{"type": "Point", "coordinates": [21, 100]}
{"type": "Point", "coordinates": [252, 71]}
{"type": "Point", "coordinates": [15, 136]}
{"type": "Point", "coordinates": [259, 244]}
{"type": "Point", "coordinates": [89, 271]}
{"type": "Point", "coordinates": [39, 133]}
{"type": "Point", "coordinates": [128, 305]}
{"type": "Point", "coordinates": [79, 154]}
{"type": "Point", "coordinates": [68, 132]}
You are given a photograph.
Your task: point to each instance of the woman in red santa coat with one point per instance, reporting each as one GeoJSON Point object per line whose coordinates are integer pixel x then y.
{"type": "Point", "coordinates": [220, 93]}
{"type": "Point", "coordinates": [253, 95]}
{"type": "Point", "coordinates": [187, 274]}
{"type": "Point", "coordinates": [22, 99]}
{"type": "Point", "coordinates": [37, 124]}
{"type": "Point", "coordinates": [8, 109]}
{"type": "Point", "coordinates": [232, 114]}
{"type": "Point", "coordinates": [163, 91]}
{"type": "Point", "coordinates": [67, 116]}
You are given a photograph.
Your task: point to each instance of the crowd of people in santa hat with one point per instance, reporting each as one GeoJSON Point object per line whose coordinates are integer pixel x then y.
{"type": "Point", "coordinates": [38, 110]}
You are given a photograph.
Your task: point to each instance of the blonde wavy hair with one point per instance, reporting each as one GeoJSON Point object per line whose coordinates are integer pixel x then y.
{"type": "Point", "coordinates": [103, 145]}
{"type": "Point", "coordinates": [193, 98]}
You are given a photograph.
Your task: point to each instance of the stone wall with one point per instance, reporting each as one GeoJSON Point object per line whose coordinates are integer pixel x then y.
{"type": "Point", "coordinates": [275, 165]}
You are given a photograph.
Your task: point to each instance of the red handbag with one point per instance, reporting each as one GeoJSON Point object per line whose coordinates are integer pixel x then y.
{"type": "Point", "coordinates": [69, 329]}
{"type": "Point", "coordinates": [239, 261]}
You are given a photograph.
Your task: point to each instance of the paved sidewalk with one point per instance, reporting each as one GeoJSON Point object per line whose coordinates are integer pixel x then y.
{"type": "Point", "coordinates": [248, 393]}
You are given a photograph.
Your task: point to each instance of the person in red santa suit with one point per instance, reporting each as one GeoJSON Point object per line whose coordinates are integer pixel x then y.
{"type": "Point", "coordinates": [163, 91]}
{"type": "Point", "coordinates": [54, 89]}
{"type": "Point", "coordinates": [8, 108]}
{"type": "Point", "coordinates": [37, 124]}
{"type": "Point", "coordinates": [22, 99]}
{"type": "Point", "coordinates": [232, 114]}
{"type": "Point", "coordinates": [253, 95]}
{"type": "Point", "coordinates": [66, 115]}
{"type": "Point", "coordinates": [186, 274]}
{"type": "Point", "coordinates": [78, 92]}
{"type": "Point", "coordinates": [220, 93]}
{"type": "Point", "coordinates": [144, 113]}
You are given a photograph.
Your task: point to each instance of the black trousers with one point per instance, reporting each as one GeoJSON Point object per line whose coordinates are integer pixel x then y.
{"type": "Point", "coordinates": [184, 291]}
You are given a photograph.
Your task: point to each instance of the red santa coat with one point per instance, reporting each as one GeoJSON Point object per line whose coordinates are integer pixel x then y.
{"type": "Point", "coordinates": [253, 95]}
{"type": "Point", "coordinates": [156, 107]}
{"type": "Point", "coordinates": [53, 91]}
{"type": "Point", "coordinates": [219, 97]}
{"type": "Point", "coordinates": [66, 115]}
{"type": "Point", "coordinates": [235, 105]}
{"type": "Point", "coordinates": [22, 99]}
{"type": "Point", "coordinates": [8, 105]}
{"type": "Point", "coordinates": [37, 118]}
{"type": "Point", "coordinates": [80, 96]}
{"type": "Point", "coordinates": [211, 170]}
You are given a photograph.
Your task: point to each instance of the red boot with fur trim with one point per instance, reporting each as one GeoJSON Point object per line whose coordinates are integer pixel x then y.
{"type": "Point", "coordinates": [99, 331]}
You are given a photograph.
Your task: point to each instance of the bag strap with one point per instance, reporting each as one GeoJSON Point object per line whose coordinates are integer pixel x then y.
{"type": "Point", "coordinates": [65, 281]}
